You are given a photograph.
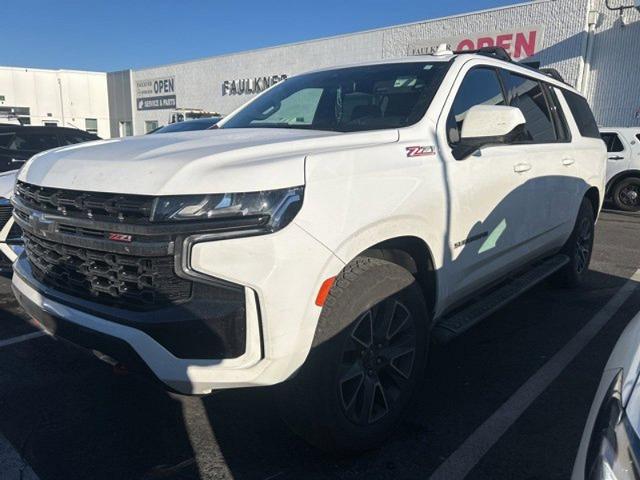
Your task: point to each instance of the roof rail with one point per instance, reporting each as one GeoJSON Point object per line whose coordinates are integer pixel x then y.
{"type": "Point", "coordinates": [498, 52]}
{"type": "Point", "coordinates": [553, 73]}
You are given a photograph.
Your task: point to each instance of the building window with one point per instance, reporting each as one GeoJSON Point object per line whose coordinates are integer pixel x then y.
{"type": "Point", "coordinates": [126, 129]}
{"type": "Point", "coordinates": [91, 125]}
{"type": "Point", "coordinates": [150, 125]}
{"type": "Point", "coordinates": [50, 124]}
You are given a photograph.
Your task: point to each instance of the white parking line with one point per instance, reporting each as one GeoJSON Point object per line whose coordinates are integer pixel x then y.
{"type": "Point", "coordinates": [11, 464]}
{"type": "Point", "coordinates": [22, 338]}
{"type": "Point", "coordinates": [467, 456]}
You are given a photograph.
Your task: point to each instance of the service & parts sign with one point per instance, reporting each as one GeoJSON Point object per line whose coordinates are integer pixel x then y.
{"type": "Point", "coordinates": [156, 93]}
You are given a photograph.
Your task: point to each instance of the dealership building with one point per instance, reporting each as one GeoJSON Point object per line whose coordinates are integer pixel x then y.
{"type": "Point", "coordinates": [595, 49]}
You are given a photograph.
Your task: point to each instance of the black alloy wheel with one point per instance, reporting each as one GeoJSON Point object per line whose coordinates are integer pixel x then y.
{"type": "Point", "coordinates": [377, 362]}
{"type": "Point", "coordinates": [626, 195]}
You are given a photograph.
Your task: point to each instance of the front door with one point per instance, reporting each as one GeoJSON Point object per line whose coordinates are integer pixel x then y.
{"type": "Point", "coordinates": [488, 204]}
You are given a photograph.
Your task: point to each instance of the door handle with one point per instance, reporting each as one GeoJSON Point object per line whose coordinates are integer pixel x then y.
{"type": "Point", "coordinates": [521, 167]}
{"type": "Point", "coordinates": [567, 162]}
{"type": "Point", "coordinates": [17, 160]}
{"type": "Point", "coordinates": [617, 157]}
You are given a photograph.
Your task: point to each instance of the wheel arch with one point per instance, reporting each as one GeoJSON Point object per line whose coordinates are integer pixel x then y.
{"type": "Point", "coordinates": [593, 195]}
{"type": "Point", "coordinates": [415, 255]}
{"type": "Point", "coordinates": [619, 177]}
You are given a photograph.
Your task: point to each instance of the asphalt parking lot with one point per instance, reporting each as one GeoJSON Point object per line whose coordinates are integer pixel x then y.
{"type": "Point", "coordinates": [508, 400]}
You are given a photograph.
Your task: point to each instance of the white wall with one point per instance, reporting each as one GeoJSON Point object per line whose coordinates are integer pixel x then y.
{"type": "Point", "coordinates": [613, 88]}
{"type": "Point", "coordinates": [80, 95]}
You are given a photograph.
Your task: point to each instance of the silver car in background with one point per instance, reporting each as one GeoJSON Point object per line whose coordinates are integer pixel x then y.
{"type": "Point", "coordinates": [610, 445]}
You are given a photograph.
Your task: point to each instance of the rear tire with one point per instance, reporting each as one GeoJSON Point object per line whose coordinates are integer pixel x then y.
{"type": "Point", "coordinates": [368, 354]}
{"type": "Point", "coordinates": [578, 248]}
{"type": "Point", "coordinates": [626, 195]}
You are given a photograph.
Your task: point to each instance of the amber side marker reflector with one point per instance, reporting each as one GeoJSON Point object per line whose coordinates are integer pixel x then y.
{"type": "Point", "coordinates": [323, 293]}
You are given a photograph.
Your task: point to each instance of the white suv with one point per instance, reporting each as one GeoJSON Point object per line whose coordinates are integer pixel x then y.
{"type": "Point", "coordinates": [324, 234]}
{"type": "Point", "coordinates": [623, 167]}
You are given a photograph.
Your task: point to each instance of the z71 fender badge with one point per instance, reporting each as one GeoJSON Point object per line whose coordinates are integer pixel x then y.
{"type": "Point", "coordinates": [421, 151]}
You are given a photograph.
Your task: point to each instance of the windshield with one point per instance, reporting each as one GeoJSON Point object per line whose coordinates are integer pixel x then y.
{"type": "Point", "coordinates": [189, 125]}
{"type": "Point", "coordinates": [347, 100]}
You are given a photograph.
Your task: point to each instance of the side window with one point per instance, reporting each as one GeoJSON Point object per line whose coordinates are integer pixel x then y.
{"type": "Point", "coordinates": [34, 142]}
{"type": "Point", "coordinates": [527, 94]}
{"type": "Point", "coordinates": [613, 142]}
{"type": "Point", "coordinates": [6, 140]}
{"type": "Point", "coordinates": [559, 118]}
{"type": "Point", "coordinates": [481, 86]}
{"type": "Point", "coordinates": [582, 114]}
{"type": "Point", "coordinates": [73, 138]}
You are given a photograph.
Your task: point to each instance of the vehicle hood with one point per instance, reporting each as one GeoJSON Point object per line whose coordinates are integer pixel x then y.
{"type": "Point", "coordinates": [7, 181]}
{"type": "Point", "coordinates": [209, 161]}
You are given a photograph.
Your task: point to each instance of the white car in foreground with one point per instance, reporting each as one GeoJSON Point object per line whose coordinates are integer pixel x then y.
{"type": "Point", "coordinates": [610, 446]}
{"type": "Point", "coordinates": [322, 235]}
{"type": "Point", "coordinates": [623, 167]}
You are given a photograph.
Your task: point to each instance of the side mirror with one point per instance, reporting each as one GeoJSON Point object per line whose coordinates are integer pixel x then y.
{"type": "Point", "coordinates": [488, 124]}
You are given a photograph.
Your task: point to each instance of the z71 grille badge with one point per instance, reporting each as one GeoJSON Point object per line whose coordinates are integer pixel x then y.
{"type": "Point", "coordinates": [120, 237]}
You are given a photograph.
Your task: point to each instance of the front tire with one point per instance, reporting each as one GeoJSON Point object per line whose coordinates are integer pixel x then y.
{"type": "Point", "coordinates": [626, 195]}
{"type": "Point", "coordinates": [579, 248]}
{"type": "Point", "coordinates": [368, 354]}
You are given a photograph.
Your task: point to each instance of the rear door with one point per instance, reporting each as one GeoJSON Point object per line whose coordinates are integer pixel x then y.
{"type": "Point", "coordinates": [552, 185]}
{"type": "Point", "coordinates": [618, 153]}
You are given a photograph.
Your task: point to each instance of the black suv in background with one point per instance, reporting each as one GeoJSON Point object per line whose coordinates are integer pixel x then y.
{"type": "Point", "coordinates": [19, 143]}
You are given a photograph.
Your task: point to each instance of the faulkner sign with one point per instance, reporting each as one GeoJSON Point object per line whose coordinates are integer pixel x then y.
{"type": "Point", "coordinates": [156, 93]}
{"type": "Point", "coordinates": [521, 43]}
{"type": "Point", "coordinates": [245, 86]}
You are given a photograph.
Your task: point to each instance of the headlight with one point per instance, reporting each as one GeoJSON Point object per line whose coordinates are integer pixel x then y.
{"type": "Point", "coordinates": [614, 447]}
{"type": "Point", "coordinates": [272, 209]}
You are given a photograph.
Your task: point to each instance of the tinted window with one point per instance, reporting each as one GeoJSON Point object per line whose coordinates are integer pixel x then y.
{"type": "Point", "coordinates": [638, 136]}
{"type": "Point", "coordinates": [559, 119]}
{"type": "Point", "coordinates": [346, 100]}
{"type": "Point", "coordinates": [33, 142]}
{"type": "Point", "coordinates": [613, 142]}
{"type": "Point", "coordinates": [582, 114]}
{"type": "Point", "coordinates": [528, 96]}
{"type": "Point", "coordinates": [6, 139]}
{"type": "Point", "coordinates": [480, 87]}
{"type": "Point", "coordinates": [72, 138]}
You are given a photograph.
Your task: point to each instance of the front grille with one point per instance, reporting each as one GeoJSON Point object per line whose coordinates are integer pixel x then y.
{"type": "Point", "coordinates": [136, 283]}
{"type": "Point", "coordinates": [93, 205]}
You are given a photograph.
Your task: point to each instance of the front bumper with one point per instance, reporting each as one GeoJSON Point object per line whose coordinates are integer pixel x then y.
{"type": "Point", "coordinates": [280, 275]}
{"type": "Point", "coordinates": [136, 348]}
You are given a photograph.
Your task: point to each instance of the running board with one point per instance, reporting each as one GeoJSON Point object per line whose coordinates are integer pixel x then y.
{"type": "Point", "coordinates": [456, 324]}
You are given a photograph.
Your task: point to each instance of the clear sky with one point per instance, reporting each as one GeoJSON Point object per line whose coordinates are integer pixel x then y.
{"type": "Point", "coordinates": [108, 35]}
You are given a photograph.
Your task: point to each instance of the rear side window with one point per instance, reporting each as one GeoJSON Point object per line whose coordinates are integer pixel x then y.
{"type": "Point", "coordinates": [613, 142]}
{"type": "Point", "coordinates": [34, 142]}
{"type": "Point", "coordinates": [481, 86]}
{"type": "Point", "coordinates": [582, 114]}
{"type": "Point", "coordinates": [72, 138]}
{"type": "Point", "coordinates": [527, 94]}
{"type": "Point", "coordinates": [6, 139]}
